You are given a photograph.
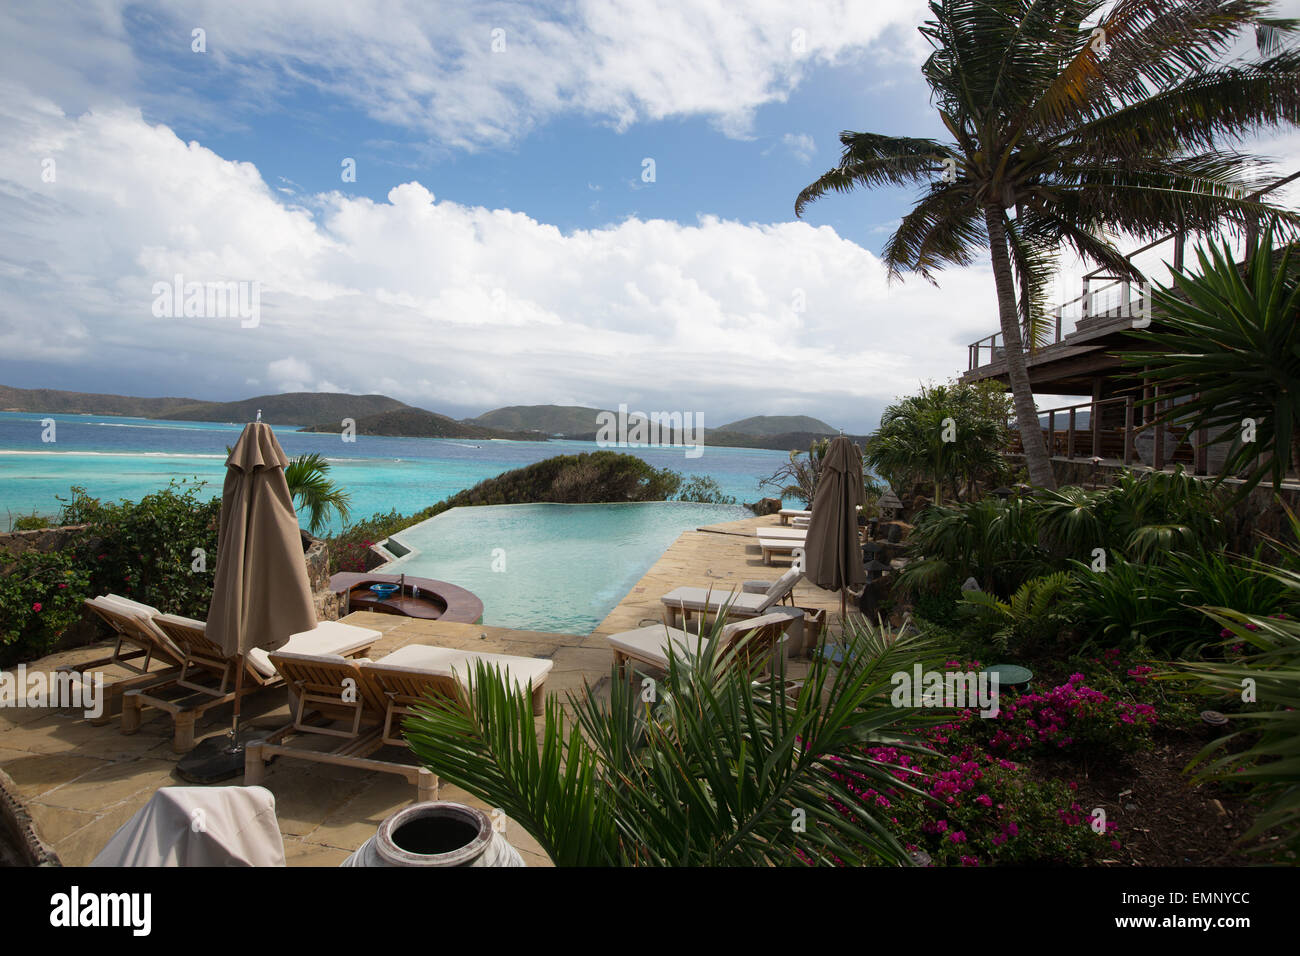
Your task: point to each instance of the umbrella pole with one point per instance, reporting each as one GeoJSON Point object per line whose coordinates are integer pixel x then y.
{"type": "Point", "coordinates": [239, 698]}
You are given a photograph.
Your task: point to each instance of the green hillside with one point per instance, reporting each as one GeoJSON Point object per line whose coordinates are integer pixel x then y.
{"type": "Point", "coordinates": [410, 422]}
{"type": "Point", "coordinates": [779, 425]}
{"type": "Point", "coordinates": [290, 408]}
{"type": "Point", "coordinates": [567, 420]}
{"type": "Point", "coordinates": [55, 401]}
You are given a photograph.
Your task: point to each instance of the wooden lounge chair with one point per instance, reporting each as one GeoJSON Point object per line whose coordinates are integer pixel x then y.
{"type": "Point", "coordinates": [650, 645]}
{"type": "Point", "coordinates": [139, 645]}
{"type": "Point", "coordinates": [792, 534]}
{"type": "Point", "coordinates": [330, 696]}
{"type": "Point", "coordinates": [788, 513]}
{"type": "Point", "coordinates": [383, 692]}
{"type": "Point", "coordinates": [687, 601]}
{"type": "Point", "coordinates": [207, 677]}
{"type": "Point", "coordinates": [769, 547]}
{"type": "Point", "coordinates": [411, 673]}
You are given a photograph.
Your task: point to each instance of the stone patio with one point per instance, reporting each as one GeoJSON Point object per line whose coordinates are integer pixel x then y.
{"type": "Point", "coordinates": [81, 782]}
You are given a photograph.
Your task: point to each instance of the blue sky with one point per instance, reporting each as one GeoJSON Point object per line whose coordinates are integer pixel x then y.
{"type": "Point", "coordinates": [499, 245]}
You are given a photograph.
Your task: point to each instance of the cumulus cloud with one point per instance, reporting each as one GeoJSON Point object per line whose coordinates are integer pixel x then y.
{"type": "Point", "coordinates": [454, 307]}
{"type": "Point", "coordinates": [468, 74]}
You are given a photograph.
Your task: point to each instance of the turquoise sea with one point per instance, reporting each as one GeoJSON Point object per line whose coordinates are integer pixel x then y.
{"type": "Point", "coordinates": [129, 457]}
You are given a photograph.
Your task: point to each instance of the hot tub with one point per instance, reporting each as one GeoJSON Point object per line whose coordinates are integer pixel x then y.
{"type": "Point", "coordinates": [416, 597]}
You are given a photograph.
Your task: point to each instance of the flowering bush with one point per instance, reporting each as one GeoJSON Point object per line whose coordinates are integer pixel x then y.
{"type": "Point", "coordinates": [147, 550]}
{"type": "Point", "coordinates": [980, 809]}
{"type": "Point", "coordinates": [40, 597]}
{"type": "Point", "coordinates": [1071, 715]}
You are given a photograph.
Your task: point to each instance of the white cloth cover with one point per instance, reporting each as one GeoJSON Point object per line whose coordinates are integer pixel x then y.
{"type": "Point", "coordinates": [199, 826]}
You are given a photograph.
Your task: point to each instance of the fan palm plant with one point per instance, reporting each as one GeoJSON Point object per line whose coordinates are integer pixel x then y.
{"type": "Point", "coordinates": [312, 488]}
{"type": "Point", "coordinates": [1227, 350]}
{"type": "Point", "coordinates": [1072, 121]}
{"type": "Point", "coordinates": [703, 767]}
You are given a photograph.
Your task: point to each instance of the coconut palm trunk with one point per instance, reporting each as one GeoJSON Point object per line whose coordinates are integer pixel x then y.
{"type": "Point", "coordinates": [1031, 435]}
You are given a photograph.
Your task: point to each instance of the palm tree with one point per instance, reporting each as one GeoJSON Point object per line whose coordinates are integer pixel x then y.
{"type": "Point", "coordinates": [1068, 127]}
{"type": "Point", "coordinates": [703, 767]}
{"type": "Point", "coordinates": [944, 434]}
{"type": "Point", "coordinates": [312, 489]}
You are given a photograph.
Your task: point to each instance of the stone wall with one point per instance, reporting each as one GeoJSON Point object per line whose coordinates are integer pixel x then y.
{"type": "Point", "coordinates": [328, 604]}
{"type": "Point", "coordinates": [44, 540]}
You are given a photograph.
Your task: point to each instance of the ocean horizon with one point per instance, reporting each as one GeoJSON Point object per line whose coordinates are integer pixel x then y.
{"type": "Point", "coordinates": [119, 457]}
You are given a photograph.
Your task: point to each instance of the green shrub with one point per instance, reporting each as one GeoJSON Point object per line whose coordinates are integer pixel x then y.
{"type": "Point", "coordinates": [31, 522]}
{"type": "Point", "coordinates": [1032, 619]}
{"type": "Point", "coordinates": [146, 550]}
{"type": "Point", "coordinates": [40, 597]}
{"type": "Point", "coordinates": [705, 490]}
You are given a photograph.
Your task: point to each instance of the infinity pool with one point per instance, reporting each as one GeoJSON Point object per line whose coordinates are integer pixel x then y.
{"type": "Point", "coordinates": [550, 567]}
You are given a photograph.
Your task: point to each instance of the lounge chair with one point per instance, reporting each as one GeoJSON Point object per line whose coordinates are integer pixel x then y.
{"type": "Point", "coordinates": [650, 645]}
{"type": "Point", "coordinates": [786, 514]}
{"type": "Point", "coordinates": [773, 546]}
{"type": "Point", "coordinates": [382, 693]}
{"type": "Point", "coordinates": [691, 600]}
{"type": "Point", "coordinates": [136, 637]}
{"type": "Point", "coordinates": [411, 673]}
{"type": "Point", "coordinates": [326, 691]}
{"type": "Point", "coordinates": [793, 534]}
{"type": "Point", "coordinates": [208, 675]}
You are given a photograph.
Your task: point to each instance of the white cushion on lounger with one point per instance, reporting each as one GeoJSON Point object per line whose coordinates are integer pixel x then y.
{"type": "Point", "coordinates": [789, 534]}
{"type": "Point", "coordinates": [699, 598]}
{"type": "Point", "coordinates": [140, 612]}
{"type": "Point", "coordinates": [326, 638]}
{"type": "Point", "coordinates": [651, 643]}
{"type": "Point", "coordinates": [447, 661]}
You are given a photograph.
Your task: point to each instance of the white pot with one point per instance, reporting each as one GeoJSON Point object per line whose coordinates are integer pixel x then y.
{"type": "Point", "coordinates": [436, 834]}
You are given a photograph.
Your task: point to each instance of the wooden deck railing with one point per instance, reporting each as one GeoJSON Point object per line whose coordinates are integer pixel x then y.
{"type": "Point", "coordinates": [1115, 298]}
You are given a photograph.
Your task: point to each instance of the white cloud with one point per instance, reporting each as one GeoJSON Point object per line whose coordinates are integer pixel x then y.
{"type": "Point", "coordinates": [444, 305]}
{"type": "Point", "coordinates": [801, 145]}
{"type": "Point", "coordinates": [432, 67]}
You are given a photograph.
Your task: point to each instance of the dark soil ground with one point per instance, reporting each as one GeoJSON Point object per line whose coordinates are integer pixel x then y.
{"type": "Point", "coordinates": [1164, 818]}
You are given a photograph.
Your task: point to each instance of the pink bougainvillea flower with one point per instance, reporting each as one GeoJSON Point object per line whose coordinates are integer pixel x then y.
{"type": "Point", "coordinates": [37, 607]}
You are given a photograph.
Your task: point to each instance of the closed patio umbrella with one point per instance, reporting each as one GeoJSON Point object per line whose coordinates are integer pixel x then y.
{"type": "Point", "coordinates": [832, 556]}
{"type": "Point", "coordinates": [260, 592]}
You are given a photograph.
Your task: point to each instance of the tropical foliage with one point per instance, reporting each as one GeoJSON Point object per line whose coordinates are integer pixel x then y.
{"type": "Point", "coordinates": [702, 767]}
{"type": "Point", "coordinates": [1227, 351]}
{"type": "Point", "coordinates": [798, 477]}
{"type": "Point", "coordinates": [41, 596]}
{"type": "Point", "coordinates": [312, 488]}
{"type": "Point", "coordinates": [160, 550]}
{"type": "Point", "coordinates": [950, 436]}
{"type": "Point", "coordinates": [1259, 679]}
{"type": "Point", "coordinates": [1071, 121]}
{"type": "Point", "coordinates": [1029, 620]}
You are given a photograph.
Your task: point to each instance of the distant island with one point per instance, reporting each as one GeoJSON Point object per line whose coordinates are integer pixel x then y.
{"type": "Point", "coordinates": [325, 412]}
{"type": "Point", "coordinates": [410, 422]}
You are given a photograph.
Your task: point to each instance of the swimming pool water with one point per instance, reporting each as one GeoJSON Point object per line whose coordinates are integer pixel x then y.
{"type": "Point", "coordinates": [550, 567]}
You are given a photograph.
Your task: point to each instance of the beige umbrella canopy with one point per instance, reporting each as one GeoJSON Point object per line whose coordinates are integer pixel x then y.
{"type": "Point", "coordinates": [832, 555]}
{"type": "Point", "coordinates": [260, 593]}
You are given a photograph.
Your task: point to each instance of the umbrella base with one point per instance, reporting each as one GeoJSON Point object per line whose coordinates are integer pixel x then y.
{"type": "Point", "coordinates": [215, 759]}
